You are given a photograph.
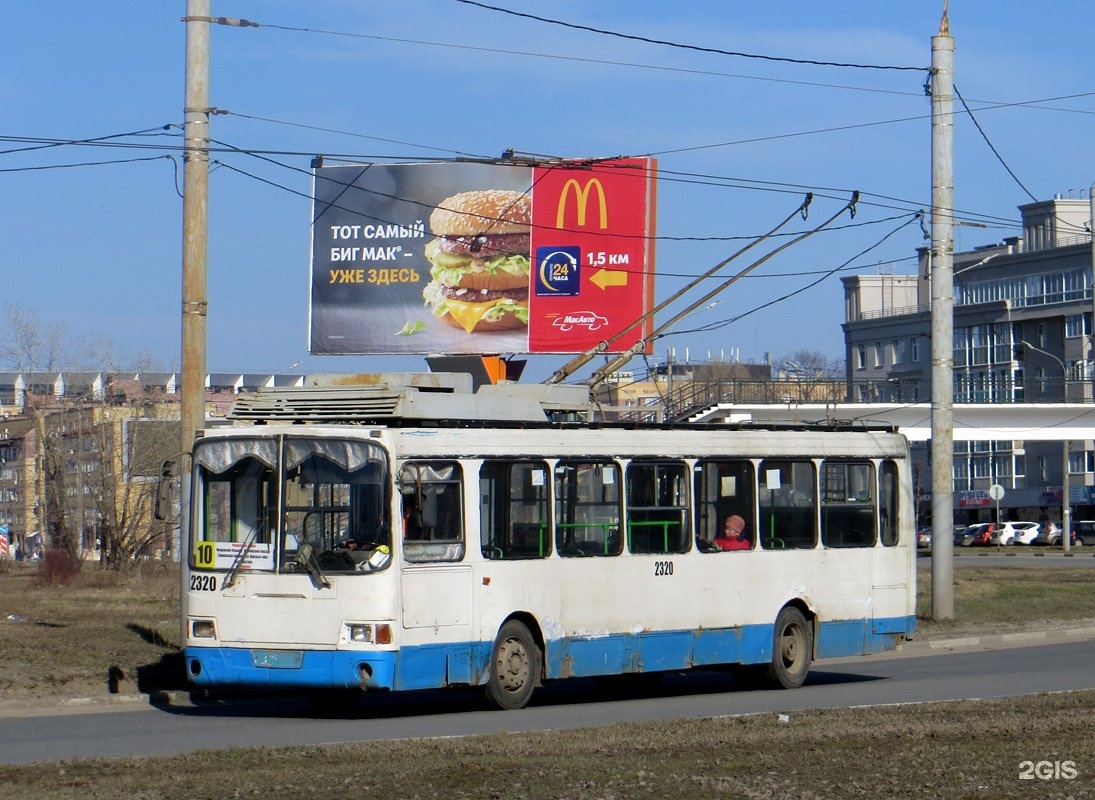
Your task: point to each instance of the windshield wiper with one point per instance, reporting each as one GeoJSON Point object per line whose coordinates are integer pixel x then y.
{"type": "Point", "coordinates": [306, 557]}
{"type": "Point", "coordinates": [237, 562]}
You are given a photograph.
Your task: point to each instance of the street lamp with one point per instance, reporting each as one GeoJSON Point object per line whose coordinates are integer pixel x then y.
{"type": "Point", "coordinates": [1066, 489]}
{"type": "Point", "coordinates": [667, 401]}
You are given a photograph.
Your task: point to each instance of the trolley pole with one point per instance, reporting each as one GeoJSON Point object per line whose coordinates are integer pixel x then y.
{"type": "Point", "coordinates": [942, 322]}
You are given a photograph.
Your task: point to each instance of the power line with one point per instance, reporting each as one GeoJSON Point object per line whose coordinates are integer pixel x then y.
{"type": "Point", "coordinates": [86, 164]}
{"type": "Point", "coordinates": [992, 147]}
{"type": "Point", "coordinates": [349, 185]}
{"type": "Point", "coordinates": [42, 144]}
{"type": "Point", "coordinates": [678, 45]}
{"type": "Point", "coordinates": [800, 290]}
{"type": "Point", "coordinates": [351, 133]}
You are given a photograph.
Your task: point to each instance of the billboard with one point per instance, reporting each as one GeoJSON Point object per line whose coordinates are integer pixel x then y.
{"type": "Point", "coordinates": [473, 258]}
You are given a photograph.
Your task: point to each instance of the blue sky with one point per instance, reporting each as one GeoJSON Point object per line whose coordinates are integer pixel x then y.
{"type": "Point", "coordinates": [739, 141]}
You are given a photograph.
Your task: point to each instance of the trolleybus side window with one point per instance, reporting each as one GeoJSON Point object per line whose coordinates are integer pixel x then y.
{"type": "Point", "coordinates": [724, 489]}
{"type": "Point", "coordinates": [237, 506]}
{"type": "Point", "coordinates": [657, 507]}
{"type": "Point", "coordinates": [848, 511]}
{"type": "Point", "coordinates": [513, 509]}
{"type": "Point", "coordinates": [887, 503]}
{"type": "Point", "coordinates": [587, 508]}
{"type": "Point", "coordinates": [336, 501]}
{"type": "Point", "coordinates": [788, 504]}
{"type": "Point", "coordinates": [433, 518]}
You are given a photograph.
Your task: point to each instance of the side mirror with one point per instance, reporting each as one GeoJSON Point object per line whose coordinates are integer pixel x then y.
{"type": "Point", "coordinates": [166, 491]}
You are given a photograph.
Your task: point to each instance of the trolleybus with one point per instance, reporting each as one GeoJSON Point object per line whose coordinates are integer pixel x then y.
{"type": "Point", "coordinates": [393, 538]}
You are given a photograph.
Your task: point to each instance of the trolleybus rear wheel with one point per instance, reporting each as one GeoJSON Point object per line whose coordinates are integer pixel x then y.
{"type": "Point", "coordinates": [792, 649]}
{"type": "Point", "coordinates": [514, 667]}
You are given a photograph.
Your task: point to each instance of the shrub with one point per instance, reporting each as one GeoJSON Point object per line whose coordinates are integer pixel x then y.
{"type": "Point", "coordinates": [58, 567]}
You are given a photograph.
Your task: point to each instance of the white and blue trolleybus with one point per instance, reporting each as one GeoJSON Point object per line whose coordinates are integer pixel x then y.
{"type": "Point", "coordinates": [400, 537]}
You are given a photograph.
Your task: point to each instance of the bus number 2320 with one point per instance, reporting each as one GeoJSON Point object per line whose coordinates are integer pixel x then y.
{"type": "Point", "coordinates": [203, 583]}
{"type": "Point", "coordinates": [663, 568]}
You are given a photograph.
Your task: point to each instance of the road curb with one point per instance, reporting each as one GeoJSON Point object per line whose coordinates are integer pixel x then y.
{"type": "Point", "coordinates": [1002, 639]}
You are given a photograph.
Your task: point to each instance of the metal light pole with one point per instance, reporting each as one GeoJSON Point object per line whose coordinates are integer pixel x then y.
{"type": "Point", "coordinates": [1066, 487]}
{"type": "Point", "coordinates": [942, 322]}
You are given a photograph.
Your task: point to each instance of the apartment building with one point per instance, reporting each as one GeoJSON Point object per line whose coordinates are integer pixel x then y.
{"type": "Point", "coordinates": [1022, 334]}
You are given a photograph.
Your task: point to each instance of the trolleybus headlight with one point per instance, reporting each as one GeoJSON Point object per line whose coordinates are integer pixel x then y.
{"type": "Point", "coordinates": [203, 629]}
{"type": "Point", "coordinates": [361, 633]}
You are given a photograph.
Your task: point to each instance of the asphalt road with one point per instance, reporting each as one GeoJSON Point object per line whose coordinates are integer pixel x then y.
{"type": "Point", "coordinates": [923, 672]}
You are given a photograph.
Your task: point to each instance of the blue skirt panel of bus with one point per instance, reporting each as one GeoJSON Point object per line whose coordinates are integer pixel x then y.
{"type": "Point", "coordinates": [319, 669]}
{"type": "Point", "coordinates": [432, 666]}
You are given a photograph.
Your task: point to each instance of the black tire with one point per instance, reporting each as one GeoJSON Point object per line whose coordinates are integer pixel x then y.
{"type": "Point", "coordinates": [514, 668]}
{"type": "Point", "coordinates": [792, 650]}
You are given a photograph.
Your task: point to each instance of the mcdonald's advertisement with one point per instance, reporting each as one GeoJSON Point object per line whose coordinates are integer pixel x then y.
{"type": "Point", "coordinates": [478, 258]}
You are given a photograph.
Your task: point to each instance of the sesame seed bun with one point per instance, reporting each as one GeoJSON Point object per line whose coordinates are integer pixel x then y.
{"type": "Point", "coordinates": [488, 211]}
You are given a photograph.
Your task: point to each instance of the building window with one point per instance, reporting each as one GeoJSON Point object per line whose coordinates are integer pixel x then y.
{"type": "Point", "coordinates": [914, 349]}
{"type": "Point", "coordinates": [1043, 469]}
{"type": "Point", "coordinates": [1041, 335]}
{"type": "Point", "coordinates": [1081, 461]}
{"type": "Point", "coordinates": [861, 356]}
{"type": "Point", "coordinates": [1077, 325]}
{"type": "Point", "coordinates": [879, 355]}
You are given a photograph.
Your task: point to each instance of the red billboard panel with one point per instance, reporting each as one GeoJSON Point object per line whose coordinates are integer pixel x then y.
{"type": "Point", "coordinates": [479, 258]}
{"type": "Point", "coordinates": [592, 255]}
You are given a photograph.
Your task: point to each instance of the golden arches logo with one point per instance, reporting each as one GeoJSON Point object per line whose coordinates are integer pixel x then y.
{"type": "Point", "coordinates": [581, 197]}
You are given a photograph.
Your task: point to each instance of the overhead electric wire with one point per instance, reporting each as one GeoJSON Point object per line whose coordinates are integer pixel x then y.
{"type": "Point", "coordinates": [717, 51]}
{"type": "Point", "coordinates": [85, 164]}
{"type": "Point", "coordinates": [351, 133]}
{"type": "Point", "coordinates": [98, 139]}
{"type": "Point", "coordinates": [992, 147]}
{"type": "Point", "coordinates": [800, 290]}
{"type": "Point", "coordinates": [347, 186]}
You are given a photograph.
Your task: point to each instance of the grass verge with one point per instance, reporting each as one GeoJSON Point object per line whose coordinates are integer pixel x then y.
{"type": "Point", "coordinates": [944, 750]}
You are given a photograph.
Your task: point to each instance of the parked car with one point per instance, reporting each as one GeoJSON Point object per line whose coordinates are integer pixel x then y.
{"type": "Point", "coordinates": [1050, 534]}
{"type": "Point", "coordinates": [1027, 534]}
{"type": "Point", "coordinates": [978, 535]}
{"type": "Point", "coordinates": [1083, 532]}
{"type": "Point", "coordinates": [1006, 532]}
{"type": "Point", "coordinates": [960, 531]}
{"type": "Point", "coordinates": [924, 537]}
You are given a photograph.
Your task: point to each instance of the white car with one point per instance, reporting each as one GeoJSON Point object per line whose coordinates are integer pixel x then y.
{"type": "Point", "coordinates": [1006, 532]}
{"type": "Point", "coordinates": [1026, 532]}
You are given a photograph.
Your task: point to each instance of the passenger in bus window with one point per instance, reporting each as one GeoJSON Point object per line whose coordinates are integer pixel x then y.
{"type": "Point", "coordinates": [412, 522]}
{"type": "Point", "coordinates": [732, 536]}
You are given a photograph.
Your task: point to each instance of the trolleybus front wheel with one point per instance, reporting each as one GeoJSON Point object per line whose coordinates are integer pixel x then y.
{"type": "Point", "coordinates": [514, 667]}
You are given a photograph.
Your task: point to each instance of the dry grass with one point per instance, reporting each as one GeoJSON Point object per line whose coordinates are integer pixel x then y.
{"type": "Point", "coordinates": [69, 638]}
{"type": "Point", "coordinates": [945, 750]}
{"type": "Point", "coordinates": [104, 631]}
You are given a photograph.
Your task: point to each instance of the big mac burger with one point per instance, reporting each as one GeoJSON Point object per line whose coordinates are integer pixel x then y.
{"type": "Point", "coordinates": [479, 262]}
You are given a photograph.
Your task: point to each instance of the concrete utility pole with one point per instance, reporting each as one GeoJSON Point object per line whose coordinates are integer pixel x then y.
{"type": "Point", "coordinates": [195, 220]}
{"type": "Point", "coordinates": [195, 255]}
{"type": "Point", "coordinates": [942, 321]}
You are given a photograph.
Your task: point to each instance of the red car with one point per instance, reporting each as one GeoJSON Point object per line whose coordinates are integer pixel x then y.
{"type": "Point", "coordinates": [979, 535]}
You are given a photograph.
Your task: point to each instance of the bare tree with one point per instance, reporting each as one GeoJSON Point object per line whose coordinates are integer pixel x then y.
{"type": "Point", "coordinates": [810, 376]}
{"type": "Point", "coordinates": [98, 449]}
{"type": "Point", "coordinates": [28, 344]}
